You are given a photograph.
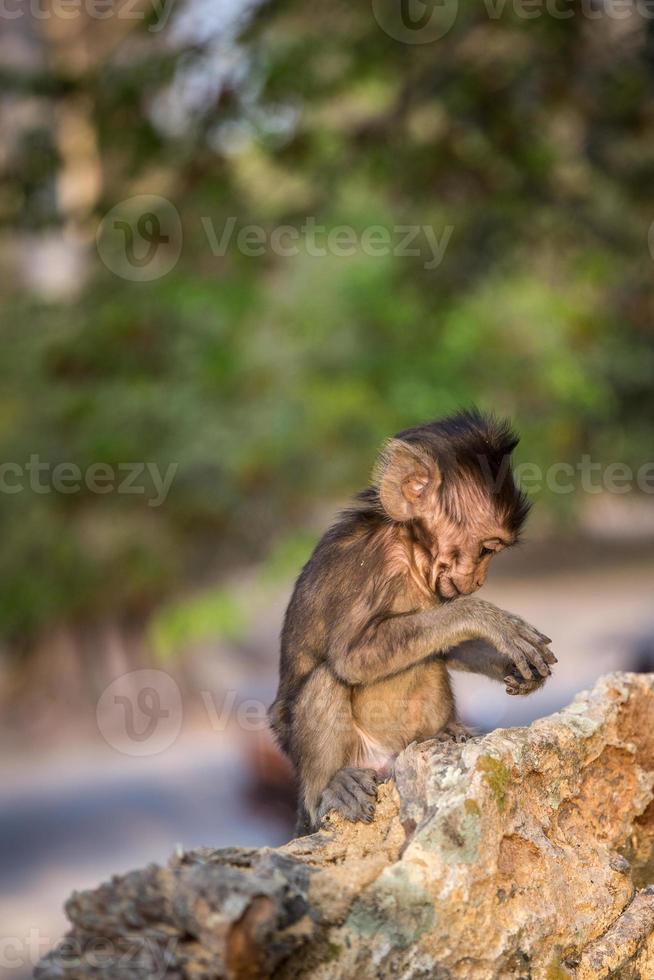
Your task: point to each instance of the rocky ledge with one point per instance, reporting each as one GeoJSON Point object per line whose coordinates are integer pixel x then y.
{"type": "Point", "coordinates": [525, 853]}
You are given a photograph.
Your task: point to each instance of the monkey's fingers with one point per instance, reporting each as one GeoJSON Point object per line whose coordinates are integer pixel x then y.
{"type": "Point", "coordinates": [529, 643]}
{"type": "Point", "coordinates": [544, 652]}
{"type": "Point", "coordinates": [535, 657]}
{"type": "Point", "coordinates": [541, 636]}
{"type": "Point", "coordinates": [516, 685]}
{"type": "Point", "coordinates": [520, 661]}
{"type": "Point", "coordinates": [534, 636]}
{"type": "Point", "coordinates": [528, 629]}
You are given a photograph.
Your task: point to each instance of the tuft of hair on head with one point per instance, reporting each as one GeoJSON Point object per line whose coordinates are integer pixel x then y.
{"type": "Point", "coordinates": [474, 448]}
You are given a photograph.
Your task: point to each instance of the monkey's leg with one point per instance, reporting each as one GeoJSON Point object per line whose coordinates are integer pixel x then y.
{"type": "Point", "coordinates": [302, 823]}
{"type": "Point", "coordinates": [324, 743]}
{"type": "Point", "coordinates": [479, 657]}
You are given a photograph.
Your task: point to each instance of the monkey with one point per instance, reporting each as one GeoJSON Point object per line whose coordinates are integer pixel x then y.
{"type": "Point", "coordinates": [384, 608]}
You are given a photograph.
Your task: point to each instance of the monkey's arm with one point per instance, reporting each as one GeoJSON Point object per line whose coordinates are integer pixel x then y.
{"type": "Point", "coordinates": [479, 657]}
{"type": "Point", "coordinates": [388, 645]}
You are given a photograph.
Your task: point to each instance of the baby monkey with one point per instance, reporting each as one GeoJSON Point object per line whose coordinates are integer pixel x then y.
{"type": "Point", "coordinates": [383, 608]}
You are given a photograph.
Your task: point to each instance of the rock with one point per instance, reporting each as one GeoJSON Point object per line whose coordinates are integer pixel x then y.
{"type": "Point", "coordinates": [525, 853]}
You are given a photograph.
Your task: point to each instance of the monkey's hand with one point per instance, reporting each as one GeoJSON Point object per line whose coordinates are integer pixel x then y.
{"type": "Point", "coordinates": [525, 646]}
{"type": "Point", "coordinates": [517, 684]}
{"type": "Point", "coordinates": [351, 793]}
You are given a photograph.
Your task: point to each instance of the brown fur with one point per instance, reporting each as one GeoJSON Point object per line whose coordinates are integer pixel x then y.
{"type": "Point", "coordinates": [382, 607]}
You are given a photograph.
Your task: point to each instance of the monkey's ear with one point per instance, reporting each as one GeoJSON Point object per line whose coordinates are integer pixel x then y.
{"type": "Point", "coordinates": [408, 479]}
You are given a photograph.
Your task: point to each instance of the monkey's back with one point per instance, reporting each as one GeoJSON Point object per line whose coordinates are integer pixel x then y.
{"type": "Point", "coordinates": [335, 581]}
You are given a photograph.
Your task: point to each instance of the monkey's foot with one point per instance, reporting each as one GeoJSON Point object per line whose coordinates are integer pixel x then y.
{"type": "Point", "coordinates": [454, 732]}
{"type": "Point", "coordinates": [517, 684]}
{"type": "Point", "coordinates": [352, 793]}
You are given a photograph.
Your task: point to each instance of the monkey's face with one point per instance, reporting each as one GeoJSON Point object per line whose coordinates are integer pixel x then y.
{"type": "Point", "coordinates": [459, 522]}
{"type": "Point", "coordinates": [462, 552]}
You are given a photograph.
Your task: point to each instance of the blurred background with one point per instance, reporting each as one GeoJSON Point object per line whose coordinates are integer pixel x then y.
{"type": "Point", "coordinates": [240, 245]}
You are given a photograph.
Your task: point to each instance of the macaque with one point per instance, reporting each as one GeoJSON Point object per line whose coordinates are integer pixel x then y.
{"type": "Point", "coordinates": [384, 608]}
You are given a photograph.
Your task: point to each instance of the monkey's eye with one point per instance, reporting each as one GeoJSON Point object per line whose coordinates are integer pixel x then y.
{"type": "Point", "coordinates": [483, 551]}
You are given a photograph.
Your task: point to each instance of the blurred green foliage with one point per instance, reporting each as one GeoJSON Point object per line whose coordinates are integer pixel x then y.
{"type": "Point", "coordinates": [188, 621]}
{"type": "Point", "coordinates": [271, 380]}
{"type": "Point", "coordinates": [225, 610]}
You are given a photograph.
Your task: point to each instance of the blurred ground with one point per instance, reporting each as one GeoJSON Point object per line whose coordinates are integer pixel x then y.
{"type": "Point", "coordinates": [74, 813]}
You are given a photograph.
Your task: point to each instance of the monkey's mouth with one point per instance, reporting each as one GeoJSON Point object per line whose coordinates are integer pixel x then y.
{"type": "Point", "coordinates": [447, 589]}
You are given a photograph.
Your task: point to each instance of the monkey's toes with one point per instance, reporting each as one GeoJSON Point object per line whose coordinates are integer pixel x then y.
{"type": "Point", "coordinates": [454, 732]}
{"type": "Point", "coordinates": [351, 793]}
